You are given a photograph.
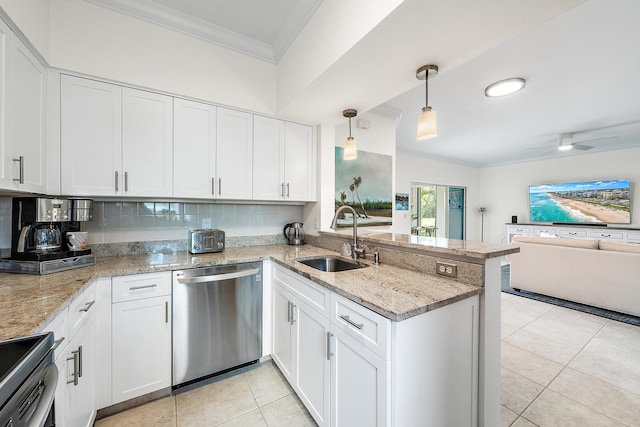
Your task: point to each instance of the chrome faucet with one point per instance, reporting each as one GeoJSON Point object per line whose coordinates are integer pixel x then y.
{"type": "Point", "coordinates": [356, 250]}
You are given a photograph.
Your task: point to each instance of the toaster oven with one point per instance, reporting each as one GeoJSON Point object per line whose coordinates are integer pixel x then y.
{"type": "Point", "coordinates": [204, 241]}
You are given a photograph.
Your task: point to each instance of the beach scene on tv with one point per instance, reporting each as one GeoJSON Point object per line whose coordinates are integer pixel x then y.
{"type": "Point", "coordinates": [581, 202]}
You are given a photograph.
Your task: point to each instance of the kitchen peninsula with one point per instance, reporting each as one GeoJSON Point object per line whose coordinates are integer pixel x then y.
{"type": "Point", "coordinates": [403, 289]}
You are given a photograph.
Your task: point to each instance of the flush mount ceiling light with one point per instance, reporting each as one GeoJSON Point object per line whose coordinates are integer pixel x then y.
{"type": "Point", "coordinates": [350, 150]}
{"type": "Point", "coordinates": [427, 119]}
{"type": "Point", "coordinates": [505, 87]}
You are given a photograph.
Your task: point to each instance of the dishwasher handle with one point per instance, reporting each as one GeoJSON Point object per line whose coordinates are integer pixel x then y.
{"type": "Point", "coordinates": [218, 277]}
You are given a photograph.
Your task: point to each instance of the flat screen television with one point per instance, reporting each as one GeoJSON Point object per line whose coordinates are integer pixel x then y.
{"type": "Point", "coordinates": [589, 202]}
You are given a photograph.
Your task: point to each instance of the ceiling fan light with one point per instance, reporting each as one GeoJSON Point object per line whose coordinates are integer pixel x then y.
{"type": "Point", "coordinates": [505, 87]}
{"type": "Point", "coordinates": [350, 149]}
{"type": "Point", "coordinates": [565, 147]}
{"type": "Point", "coordinates": [427, 124]}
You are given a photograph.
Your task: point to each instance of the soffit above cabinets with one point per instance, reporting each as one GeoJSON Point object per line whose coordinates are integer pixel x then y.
{"type": "Point", "coordinates": [257, 28]}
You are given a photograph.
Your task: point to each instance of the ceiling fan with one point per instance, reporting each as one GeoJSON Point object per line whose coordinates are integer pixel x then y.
{"type": "Point", "coordinates": [572, 141]}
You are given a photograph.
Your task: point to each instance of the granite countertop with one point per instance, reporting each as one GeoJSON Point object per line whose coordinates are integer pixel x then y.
{"type": "Point", "coordinates": [29, 302]}
{"type": "Point", "coordinates": [432, 245]}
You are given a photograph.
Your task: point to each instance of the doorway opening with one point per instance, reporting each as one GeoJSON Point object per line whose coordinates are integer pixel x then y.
{"type": "Point", "coordinates": [438, 210]}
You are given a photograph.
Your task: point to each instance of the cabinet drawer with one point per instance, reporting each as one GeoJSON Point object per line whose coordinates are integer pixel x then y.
{"type": "Point", "coordinates": [60, 328]}
{"type": "Point", "coordinates": [633, 237]}
{"type": "Point", "coordinates": [367, 327]}
{"type": "Point", "coordinates": [544, 231]}
{"type": "Point", "coordinates": [80, 309]}
{"type": "Point", "coordinates": [311, 293]}
{"type": "Point", "coordinates": [576, 234]}
{"type": "Point", "coordinates": [139, 286]}
{"type": "Point", "coordinates": [520, 230]}
{"type": "Point", "coordinates": [615, 235]}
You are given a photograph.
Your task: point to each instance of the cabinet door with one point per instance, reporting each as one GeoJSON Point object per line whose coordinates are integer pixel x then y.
{"type": "Point", "coordinates": [91, 137]}
{"type": "Point", "coordinates": [268, 159]}
{"type": "Point", "coordinates": [147, 143]}
{"type": "Point", "coordinates": [5, 151]}
{"type": "Point", "coordinates": [299, 163]}
{"type": "Point", "coordinates": [141, 347]}
{"type": "Point", "coordinates": [234, 154]}
{"type": "Point", "coordinates": [194, 149]}
{"type": "Point", "coordinates": [27, 113]}
{"type": "Point", "coordinates": [358, 384]}
{"type": "Point", "coordinates": [312, 361]}
{"type": "Point", "coordinates": [282, 353]}
{"type": "Point", "coordinates": [81, 393]}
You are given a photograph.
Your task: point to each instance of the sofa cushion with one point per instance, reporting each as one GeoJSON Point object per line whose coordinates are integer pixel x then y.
{"type": "Point", "coordinates": [612, 245]}
{"type": "Point", "coordinates": [572, 243]}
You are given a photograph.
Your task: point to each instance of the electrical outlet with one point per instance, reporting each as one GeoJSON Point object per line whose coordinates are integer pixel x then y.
{"type": "Point", "coordinates": [446, 269]}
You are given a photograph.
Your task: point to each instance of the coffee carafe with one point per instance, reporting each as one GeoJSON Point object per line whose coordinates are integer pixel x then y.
{"type": "Point", "coordinates": [44, 238]}
{"type": "Point", "coordinates": [294, 233]}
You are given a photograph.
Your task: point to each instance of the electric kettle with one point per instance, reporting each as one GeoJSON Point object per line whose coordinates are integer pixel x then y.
{"type": "Point", "coordinates": [294, 233]}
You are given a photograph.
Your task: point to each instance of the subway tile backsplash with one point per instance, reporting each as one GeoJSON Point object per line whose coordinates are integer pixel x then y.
{"type": "Point", "coordinates": [115, 222]}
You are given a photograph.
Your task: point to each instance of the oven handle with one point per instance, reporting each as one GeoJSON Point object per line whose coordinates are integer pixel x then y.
{"type": "Point", "coordinates": [46, 400]}
{"type": "Point", "coordinates": [218, 277]}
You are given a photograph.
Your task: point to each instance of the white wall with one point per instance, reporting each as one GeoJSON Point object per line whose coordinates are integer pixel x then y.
{"type": "Point", "coordinates": [32, 17]}
{"type": "Point", "coordinates": [415, 167]}
{"type": "Point", "coordinates": [505, 189]}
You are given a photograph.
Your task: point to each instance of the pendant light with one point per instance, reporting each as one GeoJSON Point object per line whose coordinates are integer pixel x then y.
{"type": "Point", "coordinates": [427, 120]}
{"type": "Point", "coordinates": [350, 150]}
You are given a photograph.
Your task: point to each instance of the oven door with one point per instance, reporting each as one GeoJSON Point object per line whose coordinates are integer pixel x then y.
{"type": "Point", "coordinates": [32, 403]}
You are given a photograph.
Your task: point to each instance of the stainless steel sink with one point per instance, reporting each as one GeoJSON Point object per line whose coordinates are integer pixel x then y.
{"type": "Point", "coordinates": [330, 263]}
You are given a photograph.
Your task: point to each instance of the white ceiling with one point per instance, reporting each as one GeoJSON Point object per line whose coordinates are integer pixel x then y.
{"type": "Point", "coordinates": [579, 67]}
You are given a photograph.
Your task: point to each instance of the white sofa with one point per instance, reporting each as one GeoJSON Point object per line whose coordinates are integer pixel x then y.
{"type": "Point", "coordinates": [600, 273]}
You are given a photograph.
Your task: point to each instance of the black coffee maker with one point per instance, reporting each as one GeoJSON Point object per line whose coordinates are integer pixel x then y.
{"type": "Point", "coordinates": [39, 226]}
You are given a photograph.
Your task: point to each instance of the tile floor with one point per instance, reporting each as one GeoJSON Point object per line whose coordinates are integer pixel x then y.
{"type": "Point", "coordinates": [559, 368]}
{"type": "Point", "coordinates": [562, 367]}
{"type": "Point", "coordinates": [256, 396]}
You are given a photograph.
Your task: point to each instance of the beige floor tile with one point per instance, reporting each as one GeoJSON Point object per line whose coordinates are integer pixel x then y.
{"type": "Point", "coordinates": [569, 326]}
{"type": "Point", "coordinates": [614, 364]}
{"type": "Point", "coordinates": [523, 422]}
{"type": "Point", "coordinates": [517, 391]}
{"type": "Point", "coordinates": [612, 401]}
{"type": "Point", "coordinates": [621, 335]}
{"type": "Point", "coordinates": [553, 409]}
{"type": "Point", "coordinates": [160, 412]}
{"type": "Point", "coordinates": [529, 365]}
{"type": "Point", "coordinates": [267, 383]}
{"type": "Point", "coordinates": [545, 346]}
{"type": "Point", "coordinates": [506, 330]}
{"type": "Point", "coordinates": [250, 419]}
{"type": "Point", "coordinates": [215, 403]}
{"type": "Point", "coordinates": [507, 416]}
{"type": "Point", "coordinates": [287, 412]}
{"type": "Point", "coordinates": [519, 312]}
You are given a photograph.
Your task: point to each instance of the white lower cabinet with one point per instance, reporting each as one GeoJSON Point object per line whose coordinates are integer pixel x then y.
{"type": "Point", "coordinates": [141, 335]}
{"type": "Point", "coordinates": [75, 398]}
{"type": "Point", "coordinates": [352, 367]}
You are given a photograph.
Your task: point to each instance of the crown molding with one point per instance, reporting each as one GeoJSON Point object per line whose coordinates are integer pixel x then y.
{"type": "Point", "coordinates": [173, 20]}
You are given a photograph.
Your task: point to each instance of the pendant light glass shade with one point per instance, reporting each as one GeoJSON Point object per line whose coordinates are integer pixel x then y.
{"type": "Point", "coordinates": [350, 149]}
{"type": "Point", "coordinates": [427, 124]}
{"type": "Point", "coordinates": [427, 119]}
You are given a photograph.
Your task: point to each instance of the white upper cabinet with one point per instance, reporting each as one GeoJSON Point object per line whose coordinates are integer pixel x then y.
{"type": "Point", "coordinates": [194, 149]}
{"type": "Point", "coordinates": [283, 159]}
{"type": "Point", "coordinates": [115, 141]}
{"type": "Point", "coordinates": [91, 137]}
{"type": "Point", "coordinates": [299, 163]}
{"type": "Point", "coordinates": [5, 153]}
{"type": "Point", "coordinates": [234, 154]}
{"type": "Point", "coordinates": [147, 143]}
{"type": "Point", "coordinates": [268, 158]}
{"type": "Point", "coordinates": [24, 117]}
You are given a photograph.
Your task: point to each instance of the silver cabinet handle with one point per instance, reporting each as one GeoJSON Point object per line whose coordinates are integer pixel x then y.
{"type": "Point", "coordinates": [282, 190]}
{"type": "Point", "coordinates": [293, 313]}
{"type": "Point", "coordinates": [351, 322]}
{"type": "Point", "coordinates": [87, 306]}
{"type": "Point", "coordinates": [289, 312]}
{"type": "Point", "coordinates": [75, 367]}
{"type": "Point", "coordinates": [116, 175]}
{"type": "Point", "coordinates": [56, 344]}
{"type": "Point", "coordinates": [287, 189]}
{"type": "Point", "coordinates": [135, 288]}
{"type": "Point", "coordinates": [80, 361]}
{"type": "Point", "coordinates": [219, 186]}
{"type": "Point", "coordinates": [126, 182]}
{"type": "Point", "coordinates": [20, 161]}
{"type": "Point", "coordinates": [329, 352]}
{"type": "Point", "coordinates": [213, 186]}
{"type": "Point", "coordinates": [166, 312]}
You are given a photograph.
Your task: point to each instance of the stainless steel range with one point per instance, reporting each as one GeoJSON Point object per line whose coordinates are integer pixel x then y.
{"type": "Point", "coordinates": [40, 232]}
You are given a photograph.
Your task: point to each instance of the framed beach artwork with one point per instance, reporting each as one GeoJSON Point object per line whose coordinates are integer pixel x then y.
{"type": "Point", "coordinates": [591, 202]}
{"type": "Point", "coordinates": [365, 185]}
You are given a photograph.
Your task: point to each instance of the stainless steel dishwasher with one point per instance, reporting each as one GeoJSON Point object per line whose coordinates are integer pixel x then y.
{"type": "Point", "coordinates": [217, 319]}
